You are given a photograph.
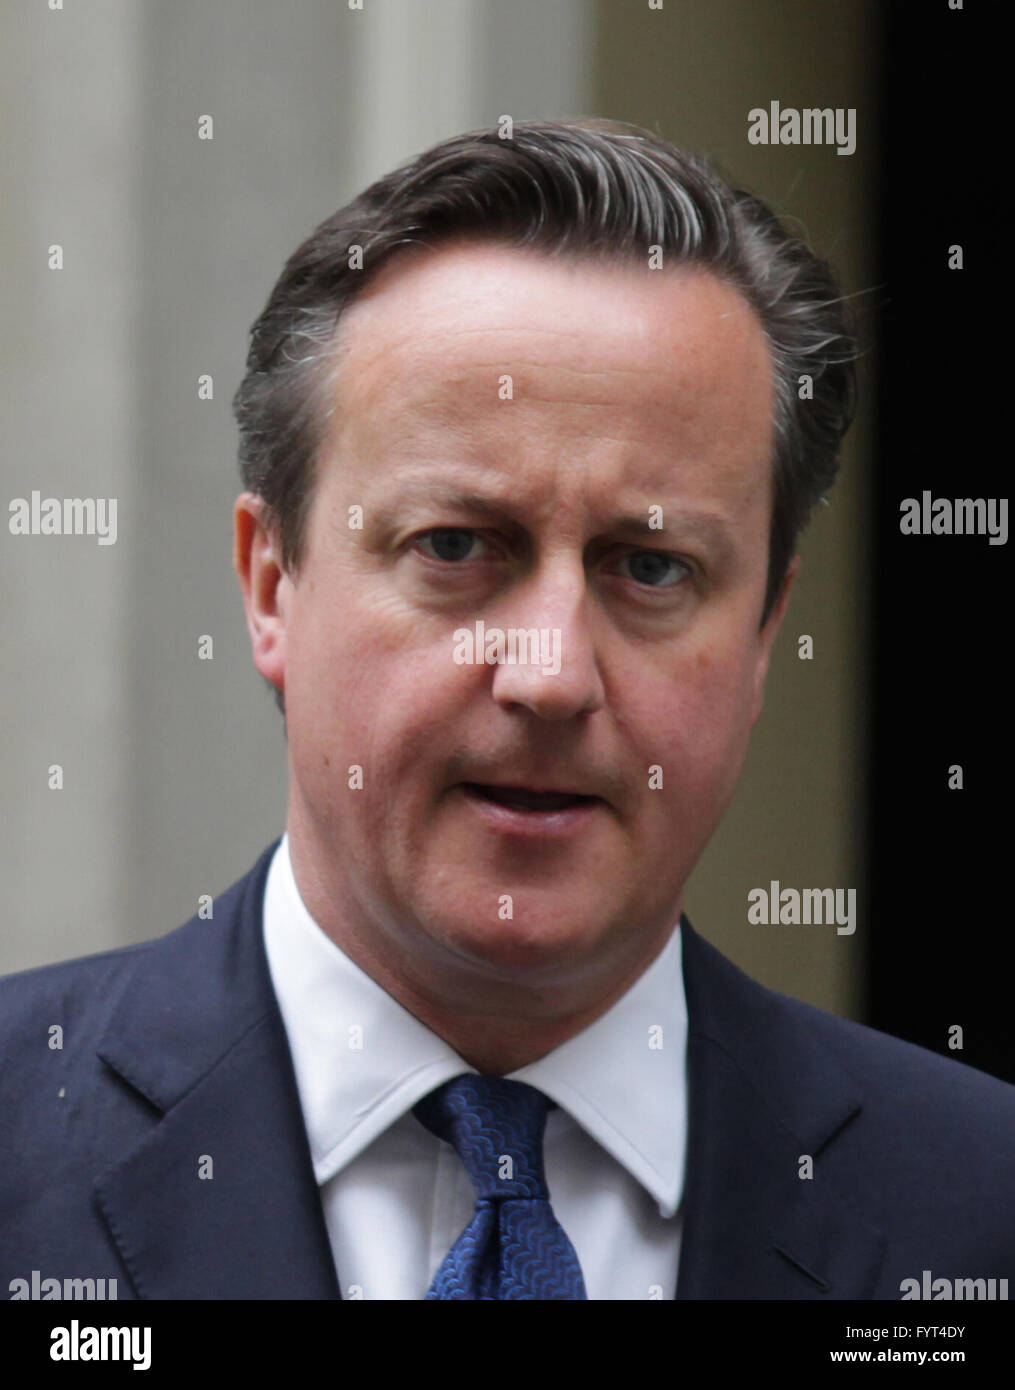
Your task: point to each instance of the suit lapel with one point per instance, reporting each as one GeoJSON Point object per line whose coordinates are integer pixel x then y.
{"type": "Point", "coordinates": [763, 1095]}
{"type": "Point", "coordinates": [219, 1199]}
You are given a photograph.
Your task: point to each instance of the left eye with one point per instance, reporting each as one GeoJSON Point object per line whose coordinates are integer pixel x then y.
{"type": "Point", "coordinates": [653, 568]}
{"type": "Point", "coordinates": [449, 543]}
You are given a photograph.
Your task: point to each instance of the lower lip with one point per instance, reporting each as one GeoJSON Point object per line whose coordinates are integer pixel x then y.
{"type": "Point", "coordinates": [535, 824]}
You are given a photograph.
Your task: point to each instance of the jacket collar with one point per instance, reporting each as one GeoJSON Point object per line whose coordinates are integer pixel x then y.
{"type": "Point", "coordinates": [219, 1199]}
{"type": "Point", "coordinates": [197, 1037]}
{"type": "Point", "coordinates": [764, 1093]}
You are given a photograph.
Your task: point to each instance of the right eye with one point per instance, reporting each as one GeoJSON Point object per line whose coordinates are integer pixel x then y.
{"type": "Point", "coordinates": [449, 543]}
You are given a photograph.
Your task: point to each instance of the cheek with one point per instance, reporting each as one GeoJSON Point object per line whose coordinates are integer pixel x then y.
{"type": "Point", "coordinates": [721, 682]}
{"type": "Point", "coordinates": [696, 724]}
{"type": "Point", "coordinates": [363, 690]}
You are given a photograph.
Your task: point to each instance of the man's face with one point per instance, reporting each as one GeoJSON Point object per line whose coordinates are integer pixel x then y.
{"type": "Point", "coordinates": [510, 427]}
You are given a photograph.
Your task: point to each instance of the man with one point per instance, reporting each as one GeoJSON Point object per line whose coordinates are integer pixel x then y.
{"type": "Point", "coordinates": [526, 464]}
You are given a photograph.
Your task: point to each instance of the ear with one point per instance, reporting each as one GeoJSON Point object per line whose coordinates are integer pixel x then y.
{"type": "Point", "coordinates": [265, 586]}
{"type": "Point", "coordinates": [766, 639]}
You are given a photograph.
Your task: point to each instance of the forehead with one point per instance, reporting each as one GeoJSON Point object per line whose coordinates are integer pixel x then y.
{"type": "Point", "coordinates": [672, 362]}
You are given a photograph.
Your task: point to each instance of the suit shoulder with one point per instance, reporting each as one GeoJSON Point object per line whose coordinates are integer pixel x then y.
{"type": "Point", "coordinates": [32, 1001]}
{"type": "Point", "coordinates": [83, 991]}
{"type": "Point", "coordinates": [772, 1033]}
{"type": "Point", "coordinates": [909, 1080]}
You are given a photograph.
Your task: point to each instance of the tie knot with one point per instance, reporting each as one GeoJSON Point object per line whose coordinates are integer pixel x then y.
{"type": "Point", "coordinates": [496, 1126]}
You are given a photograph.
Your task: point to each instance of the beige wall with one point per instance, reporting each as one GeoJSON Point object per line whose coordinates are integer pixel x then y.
{"type": "Point", "coordinates": [175, 768]}
{"type": "Point", "coordinates": [692, 71]}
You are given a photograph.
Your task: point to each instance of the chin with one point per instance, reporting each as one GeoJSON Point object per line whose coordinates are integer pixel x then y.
{"type": "Point", "coordinates": [522, 947]}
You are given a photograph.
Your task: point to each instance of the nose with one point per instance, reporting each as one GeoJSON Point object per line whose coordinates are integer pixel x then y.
{"type": "Point", "coordinates": [551, 618]}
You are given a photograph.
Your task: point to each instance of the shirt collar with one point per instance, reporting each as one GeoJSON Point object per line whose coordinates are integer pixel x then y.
{"type": "Point", "coordinates": [362, 1061]}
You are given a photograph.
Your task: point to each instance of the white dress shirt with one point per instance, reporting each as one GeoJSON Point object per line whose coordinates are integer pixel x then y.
{"type": "Point", "coordinates": [396, 1198]}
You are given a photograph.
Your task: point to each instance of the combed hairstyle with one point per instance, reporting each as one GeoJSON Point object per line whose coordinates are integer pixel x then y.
{"type": "Point", "coordinates": [599, 189]}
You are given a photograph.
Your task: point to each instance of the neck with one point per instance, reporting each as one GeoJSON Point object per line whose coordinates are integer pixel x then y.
{"type": "Point", "coordinates": [496, 1024]}
{"type": "Point", "coordinates": [496, 1040]}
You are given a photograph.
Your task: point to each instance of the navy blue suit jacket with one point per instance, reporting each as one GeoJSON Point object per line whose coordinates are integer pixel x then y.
{"type": "Point", "coordinates": [174, 1049]}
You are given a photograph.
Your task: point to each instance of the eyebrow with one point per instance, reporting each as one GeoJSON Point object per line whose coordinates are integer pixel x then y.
{"type": "Point", "coordinates": [677, 521]}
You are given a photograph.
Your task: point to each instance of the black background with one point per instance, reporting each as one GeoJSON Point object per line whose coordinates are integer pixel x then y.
{"type": "Point", "coordinates": [941, 918]}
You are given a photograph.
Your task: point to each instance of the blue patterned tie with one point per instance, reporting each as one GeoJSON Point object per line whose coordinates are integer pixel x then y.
{"type": "Point", "coordinates": [514, 1246]}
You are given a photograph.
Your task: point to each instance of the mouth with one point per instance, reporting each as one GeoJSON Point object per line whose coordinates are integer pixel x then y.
{"type": "Point", "coordinates": [531, 811]}
{"type": "Point", "coordinates": [530, 799]}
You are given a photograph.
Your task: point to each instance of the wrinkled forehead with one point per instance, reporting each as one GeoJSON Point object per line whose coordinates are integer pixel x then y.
{"type": "Point", "coordinates": [483, 337]}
